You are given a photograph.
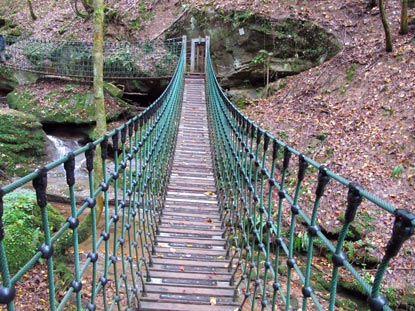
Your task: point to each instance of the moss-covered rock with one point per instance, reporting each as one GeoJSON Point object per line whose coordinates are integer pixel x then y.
{"type": "Point", "coordinates": [7, 80]}
{"type": "Point", "coordinates": [59, 102]}
{"type": "Point", "coordinates": [23, 227]}
{"type": "Point", "coordinates": [21, 142]}
{"type": "Point", "coordinates": [113, 90]}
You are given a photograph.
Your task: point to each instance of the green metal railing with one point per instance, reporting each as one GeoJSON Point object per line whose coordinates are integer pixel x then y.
{"type": "Point", "coordinates": [132, 195]}
{"type": "Point", "coordinates": [266, 201]}
{"type": "Point", "coordinates": [122, 60]}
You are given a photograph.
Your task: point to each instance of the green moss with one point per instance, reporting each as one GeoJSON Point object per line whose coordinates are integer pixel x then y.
{"type": "Point", "coordinates": [23, 227]}
{"type": "Point", "coordinates": [7, 80]}
{"type": "Point", "coordinates": [68, 107]}
{"type": "Point", "coordinates": [21, 101]}
{"type": "Point", "coordinates": [20, 145]}
{"type": "Point", "coordinates": [8, 27]}
{"type": "Point", "coordinates": [113, 90]}
{"type": "Point", "coordinates": [346, 304]}
{"type": "Point", "coordinates": [321, 284]}
{"type": "Point", "coordinates": [407, 300]}
{"type": "Point", "coordinates": [67, 103]}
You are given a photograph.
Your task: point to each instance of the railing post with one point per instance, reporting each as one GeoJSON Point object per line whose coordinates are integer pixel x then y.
{"type": "Point", "coordinates": [207, 50]}
{"type": "Point", "coordinates": [184, 44]}
{"type": "Point", "coordinates": [403, 229]}
{"type": "Point", "coordinates": [192, 55]}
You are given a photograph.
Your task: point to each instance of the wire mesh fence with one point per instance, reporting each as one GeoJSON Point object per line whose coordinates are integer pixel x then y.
{"type": "Point", "coordinates": [122, 60]}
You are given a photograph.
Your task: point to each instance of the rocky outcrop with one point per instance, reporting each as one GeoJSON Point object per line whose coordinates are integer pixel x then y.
{"type": "Point", "coordinates": [237, 37]}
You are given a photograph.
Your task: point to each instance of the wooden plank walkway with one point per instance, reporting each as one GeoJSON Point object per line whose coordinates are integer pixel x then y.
{"type": "Point", "coordinates": [190, 270]}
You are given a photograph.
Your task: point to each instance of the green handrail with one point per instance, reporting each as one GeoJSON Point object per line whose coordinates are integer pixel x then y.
{"type": "Point", "coordinates": [263, 207]}
{"type": "Point", "coordinates": [133, 193]}
{"type": "Point", "coordinates": [73, 59]}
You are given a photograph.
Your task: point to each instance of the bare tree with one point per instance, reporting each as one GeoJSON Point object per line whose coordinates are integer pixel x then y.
{"type": "Point", "coordinates": [386, 27]}
{"type": "Point", "coordinates": [404, 18]}
{"type": "Point", "coordinates": [85, 227]}
{"type": "Point", "coordinates": [32, 12]}
{"type": "Point", "coordinates": [100, 115]}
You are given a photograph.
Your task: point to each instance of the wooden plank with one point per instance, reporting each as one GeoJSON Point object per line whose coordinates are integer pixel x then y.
{"type": "Point", "coordinates": [189, 253]}
{"type": "Point", "coordinates": [189, 297]}
{"type": "Point", "coordinates": [189, 268]}
{"type": "Point", "coordinates": [191, 277]}
{"type": "Point", "coordinates": [190, 242]}
{"type": "Point", "coordinates": [187, 262]}
{"type": "Point", "coordinates": [209, 231]}
{"type": "Point", "coordinates": [159, 306]}
{"type": "Point", "coordinates": [162, 288]}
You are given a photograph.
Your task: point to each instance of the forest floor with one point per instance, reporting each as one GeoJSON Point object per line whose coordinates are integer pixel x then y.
{"type": "Point", "coordinates": [354, 113]}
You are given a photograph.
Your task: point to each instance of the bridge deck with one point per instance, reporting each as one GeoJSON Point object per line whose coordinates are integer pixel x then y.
{"type": "Point", "coordinates": [190, 270]}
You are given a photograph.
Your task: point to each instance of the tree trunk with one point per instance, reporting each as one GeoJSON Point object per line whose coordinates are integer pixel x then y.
{"type": "Point", "coordinates": [85, 227]}
{"type": "Point", "coordinates": [386, 27]}
{"type": "Point", "coordinates": [267, 65]}
{"type": "Point", "coordinates": [100, 115]}
{"type": "Point", "coordinates": [404, 18]}
{"type": "Point", "coordinates": [32, 13]}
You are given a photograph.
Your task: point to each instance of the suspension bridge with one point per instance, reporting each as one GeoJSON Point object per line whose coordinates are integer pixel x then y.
{"type": "Point", "coordinates": [200, 211]}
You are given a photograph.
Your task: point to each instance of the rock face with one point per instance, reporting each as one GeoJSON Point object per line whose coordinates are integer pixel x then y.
{"type": "Point", "coordinates": [21, 142]}
{"type": "Point", "coordinates": [237, 37]}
